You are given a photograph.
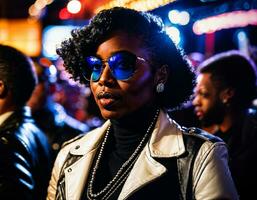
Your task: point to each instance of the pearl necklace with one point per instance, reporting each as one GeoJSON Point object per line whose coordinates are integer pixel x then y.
{"type": "Point", "coordinates": [122, 173]}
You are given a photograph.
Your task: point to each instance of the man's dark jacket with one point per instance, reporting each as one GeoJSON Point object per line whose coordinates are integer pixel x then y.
{"type": "Point", "coordinates": [58, 126]}
{"type": "Point", "coordinates": [24, 158]}
{"type": "Point", "coordinates": [242, 147]}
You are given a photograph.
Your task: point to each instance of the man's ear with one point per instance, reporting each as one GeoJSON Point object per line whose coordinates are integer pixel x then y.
{"type": "Point", "coordinates": [226, 95]}
{"type": "Point", "coordinates": [161, 75]}
{"type": "Point", "coordinates": [3, 89]}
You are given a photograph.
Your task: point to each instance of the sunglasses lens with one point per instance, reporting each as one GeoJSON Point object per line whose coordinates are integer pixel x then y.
{"type": "Point", "coordinates": [95, 65]}
{"type": "Point", "coordinates": [122, 65]}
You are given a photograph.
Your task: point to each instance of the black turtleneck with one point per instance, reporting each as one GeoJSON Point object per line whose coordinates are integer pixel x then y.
{"type": "Point", "coordinates": [127, 132]}
{"type": "Point", "coordinates": [124, 137]}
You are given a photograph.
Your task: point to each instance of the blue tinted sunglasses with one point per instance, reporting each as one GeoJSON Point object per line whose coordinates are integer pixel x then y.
{"type": "Point", "coordinates": [122, 65]}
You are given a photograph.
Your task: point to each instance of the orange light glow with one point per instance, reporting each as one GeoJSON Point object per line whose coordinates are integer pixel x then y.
{"type": "Point", "coordinates": [22, 34]}
{"type": "Point", "coordinates": [141, 5]}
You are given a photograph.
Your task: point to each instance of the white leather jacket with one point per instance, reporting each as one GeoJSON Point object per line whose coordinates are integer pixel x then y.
{"type": "Point", "coordinates": [211, 175]}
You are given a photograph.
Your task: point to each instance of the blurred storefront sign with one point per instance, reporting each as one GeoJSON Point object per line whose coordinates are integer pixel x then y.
{"type": "Point", "coordinates": [24, 34]}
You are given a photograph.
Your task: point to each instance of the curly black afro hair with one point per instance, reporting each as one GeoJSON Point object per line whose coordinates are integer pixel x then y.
{"type": "Point", "coordinates": [146, 26]}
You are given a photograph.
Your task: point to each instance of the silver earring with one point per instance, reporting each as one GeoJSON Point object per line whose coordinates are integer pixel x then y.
{"type": "Point", "coordinates": [160, 88]}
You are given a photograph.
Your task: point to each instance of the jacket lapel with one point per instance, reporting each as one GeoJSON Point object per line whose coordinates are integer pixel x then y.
{"type": "Point", "coordinates": [166, 142]}
{"type": "Point", "coordinates": [76, 175]}
{"type": "Point", "coordinates": [144, 171]}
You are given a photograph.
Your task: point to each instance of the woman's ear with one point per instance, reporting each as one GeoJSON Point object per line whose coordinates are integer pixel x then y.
{"type": "Point", "coordinates": [161, 75]}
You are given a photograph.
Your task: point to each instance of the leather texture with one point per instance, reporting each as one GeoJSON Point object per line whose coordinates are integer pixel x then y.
{"type": "Point", "coordinates": [211, 177]}
{"type": "Point", "coordinates": [25, 158]}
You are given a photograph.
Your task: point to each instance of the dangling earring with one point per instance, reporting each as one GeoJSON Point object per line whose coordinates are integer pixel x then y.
{"type": "Point", "coordinates": [160, 88]}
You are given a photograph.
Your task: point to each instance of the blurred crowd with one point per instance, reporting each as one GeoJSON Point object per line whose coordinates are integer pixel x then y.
{"type": "Point", "coordinates": [222, 104]}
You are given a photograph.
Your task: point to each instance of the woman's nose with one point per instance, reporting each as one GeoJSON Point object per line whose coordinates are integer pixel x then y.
{"type": "Point", "coordinates": [106, 77]}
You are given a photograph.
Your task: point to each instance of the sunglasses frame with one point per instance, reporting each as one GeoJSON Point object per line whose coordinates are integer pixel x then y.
{"type": "Point", "coordinates": [103, 64]}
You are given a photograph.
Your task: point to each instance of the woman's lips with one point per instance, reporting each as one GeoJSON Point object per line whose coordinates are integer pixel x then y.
{"type": "Point", "coordinates": [107, 99]}
{"type": "Point", "coordinates": [106, 102]}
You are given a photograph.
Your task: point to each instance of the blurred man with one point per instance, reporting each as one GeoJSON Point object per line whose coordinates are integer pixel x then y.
{"type": "Point", "coordinates": [223, 99]}
{"type": "Point", "coordinates": [51, 116]}
{"type": "Point", "coordinates": [24, 149]}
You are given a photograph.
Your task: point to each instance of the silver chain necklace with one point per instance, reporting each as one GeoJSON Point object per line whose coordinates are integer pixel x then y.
{"type": "Point", "coordinates": [122, 173]}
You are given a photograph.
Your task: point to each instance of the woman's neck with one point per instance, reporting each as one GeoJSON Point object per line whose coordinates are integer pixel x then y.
{"type": "Point", "coordinates": [136, 121]}
{"type": "Point", "coordinates": [128, 131]}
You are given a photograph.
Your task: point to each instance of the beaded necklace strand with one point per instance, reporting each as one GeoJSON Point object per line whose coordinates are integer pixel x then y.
{"type": "Point", "coordinates": [122, 173]}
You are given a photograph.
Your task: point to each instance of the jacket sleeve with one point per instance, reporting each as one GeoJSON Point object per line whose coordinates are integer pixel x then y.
{"type": "Point", "coordinates": [53, 183]}
{"type": "Point", "coordinates": [211, 174]}
{"type": "Point", "coordinates": [16, 179]}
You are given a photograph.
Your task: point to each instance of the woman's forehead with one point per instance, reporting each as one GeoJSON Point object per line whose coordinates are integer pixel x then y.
{"type": "Point", "coordinates": [119, 42]}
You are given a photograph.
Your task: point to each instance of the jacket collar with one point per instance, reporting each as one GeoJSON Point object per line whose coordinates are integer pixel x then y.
{"type": "Point", "coordinates": [166, 140]}
{"type": "Point", "coordinates": [16, 117]}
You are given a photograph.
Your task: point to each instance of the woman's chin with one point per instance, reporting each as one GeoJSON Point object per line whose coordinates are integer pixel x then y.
{"type": "Point", "coordinates": [111, 114]}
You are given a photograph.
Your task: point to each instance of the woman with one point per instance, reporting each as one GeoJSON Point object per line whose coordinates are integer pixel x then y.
{"type": "Point", "coordinates": [135, 73]}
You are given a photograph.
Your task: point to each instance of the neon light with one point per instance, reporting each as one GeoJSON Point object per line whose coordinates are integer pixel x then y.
{"type": "Point", "coordinates": [141, 5]}
{"type": "Point", "coordinates": [52, 38]}
{"type": "Point", "coordinates": [74, 6]}
{"type": "Point", "coordinates": [64, 14]}
{"type": "Point", "coordinates": [179, 17]}
{"type": "Point", "coordinates": [233, 19]}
